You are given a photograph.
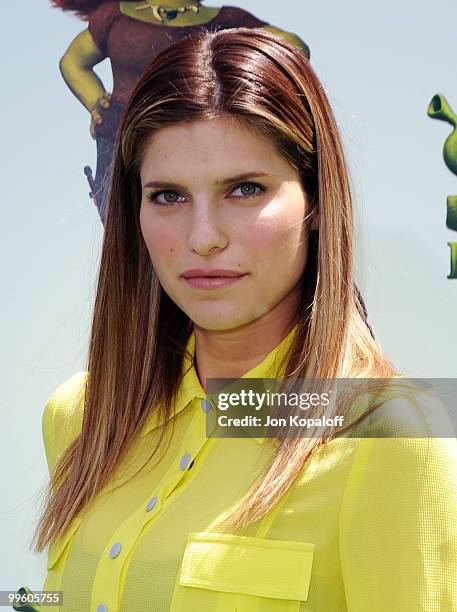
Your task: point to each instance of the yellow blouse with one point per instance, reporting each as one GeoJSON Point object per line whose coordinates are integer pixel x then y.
{"type": "Point", "coordinates": [370, 525]}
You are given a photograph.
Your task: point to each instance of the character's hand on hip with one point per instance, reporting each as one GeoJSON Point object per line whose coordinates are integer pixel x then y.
{"type": "Point", "coordinates": [97, 112]}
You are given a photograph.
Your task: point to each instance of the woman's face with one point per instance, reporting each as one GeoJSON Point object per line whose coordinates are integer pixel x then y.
{"type": "Point", "coordinates": [197, 212]}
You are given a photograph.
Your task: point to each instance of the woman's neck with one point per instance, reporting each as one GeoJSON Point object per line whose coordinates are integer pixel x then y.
{"type": "Point", "coordinates": [232, 353]}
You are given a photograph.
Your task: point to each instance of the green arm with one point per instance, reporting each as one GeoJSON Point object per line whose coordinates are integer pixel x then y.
{"type": "Point", "coordinates": [76, 68]}
{"type": "Point", "coordinates": [291, 38]}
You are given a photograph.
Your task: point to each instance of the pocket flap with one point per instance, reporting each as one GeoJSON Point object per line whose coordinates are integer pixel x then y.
{"type": "Point", "coordinates": [56, 549]}
{"type": "Point", "coordinates": [243, 564]}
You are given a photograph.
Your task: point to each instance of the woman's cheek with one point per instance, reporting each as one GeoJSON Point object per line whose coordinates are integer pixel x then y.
{"type": "Point", "coordinates": [161, 244]}
{"type": "Point", "coordinates": [271, 243]}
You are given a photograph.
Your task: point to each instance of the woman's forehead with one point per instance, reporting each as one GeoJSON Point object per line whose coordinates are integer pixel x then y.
{"type": "Point", "coordinates": [214, 148]}
{"type": "Point", "coordinates": [210, 132]}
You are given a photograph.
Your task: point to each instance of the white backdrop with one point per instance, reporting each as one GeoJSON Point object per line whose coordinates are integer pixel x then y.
{"type": "Point", "coordinates": [380, 63]}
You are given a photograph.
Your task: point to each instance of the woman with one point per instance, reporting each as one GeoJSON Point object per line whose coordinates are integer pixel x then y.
{"type": "Point", "coordinates": [229, 158]}
{"type": "Point", "coordinates": [131, 34]}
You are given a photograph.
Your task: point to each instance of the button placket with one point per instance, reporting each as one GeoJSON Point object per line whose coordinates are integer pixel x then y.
{"type": "Point", "coordinates": [185, 460]}
{"type": "Point", "coordinates": [208, 408]}
{"type": "Point", "coordinates": [205, 405]}
{"type": "Point", "coordinates": [105, 591]}
{"type": "Point", "coordinates": [115, 550]}
{"type": "Point", "coordinates": [151, 503]}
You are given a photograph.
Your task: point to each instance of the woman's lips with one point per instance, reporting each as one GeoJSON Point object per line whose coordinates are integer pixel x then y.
{"type": "Point", "coordinates": [212, 282]}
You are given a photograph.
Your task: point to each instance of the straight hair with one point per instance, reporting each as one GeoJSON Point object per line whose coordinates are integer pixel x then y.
{"type": "Point", "coordinates": [138, 336]}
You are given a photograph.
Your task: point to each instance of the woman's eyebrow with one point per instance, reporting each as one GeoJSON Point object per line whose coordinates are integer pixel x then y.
{"type": "Point", "coordinates": [224, 181]}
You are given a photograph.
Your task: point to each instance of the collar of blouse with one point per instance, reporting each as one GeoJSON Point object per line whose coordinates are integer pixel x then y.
{"type": "Point", "coordinates": [191, 387]}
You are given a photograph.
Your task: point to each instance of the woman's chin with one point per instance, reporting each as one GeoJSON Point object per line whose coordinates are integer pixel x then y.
{"type": "Point", "coordinates": [219, 319]}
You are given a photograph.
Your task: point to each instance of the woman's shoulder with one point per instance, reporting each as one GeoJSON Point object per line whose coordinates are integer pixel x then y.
{"type": "Point", "coordinates": [404, 429]}
{"type": "Point", "coordinates": [418, 412]}
{"type": "Point", "coordinates": [402, 407]}
{"type": "Point", "coordinates": [62, 416]}
{"type": "Point", "coordinates": [409, 437]}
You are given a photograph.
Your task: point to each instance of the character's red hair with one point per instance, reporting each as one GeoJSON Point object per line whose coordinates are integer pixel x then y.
{"type": "Point", "coordinates": [82, 8]}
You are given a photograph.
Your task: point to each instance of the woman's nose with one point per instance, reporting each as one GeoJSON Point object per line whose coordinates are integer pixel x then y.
{"type": "Point", "coordinates": [206, 229]}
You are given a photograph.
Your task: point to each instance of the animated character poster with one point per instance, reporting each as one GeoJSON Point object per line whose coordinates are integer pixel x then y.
{"type": "Point", "coordinates": [131, 34]}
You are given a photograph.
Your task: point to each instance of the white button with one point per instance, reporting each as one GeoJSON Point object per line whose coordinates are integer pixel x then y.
{"type": "Point", "coordinates": [115, 550]}
{"type": "Point", "coordinates": [151, 504]}
{"type": "Point", "coordinates": [102, 608]}
{"type": "Point", "coordinates": [184, 461]}
{"type": "Point", "coordinates": [206, 406]}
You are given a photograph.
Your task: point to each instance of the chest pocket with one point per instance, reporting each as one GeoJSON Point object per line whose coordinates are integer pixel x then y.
{"type": "Point", "coordinates": [229, 573]}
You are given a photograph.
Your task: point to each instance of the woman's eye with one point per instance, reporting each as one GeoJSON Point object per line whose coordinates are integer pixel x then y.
{"type": "Point", "coordinates": [248, 190]}
{"type": "Point", "coordinates": [249, 193]}
{"type": "Point", "coordinates": [154, 197]}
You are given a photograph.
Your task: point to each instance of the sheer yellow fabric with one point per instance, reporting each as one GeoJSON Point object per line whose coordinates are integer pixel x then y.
{"type": "Point", "coordinates": [370, 525]}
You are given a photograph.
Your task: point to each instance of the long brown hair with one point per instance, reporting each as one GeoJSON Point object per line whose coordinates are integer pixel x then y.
{"type": "Point", "coordinates": [138, 335]}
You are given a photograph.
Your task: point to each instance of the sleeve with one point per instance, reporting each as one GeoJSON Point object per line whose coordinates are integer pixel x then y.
{"type": "Point", "coordinates": [99, 25]}
{"type": "Point", "coordinates": [398, 526]}
{"type": "Point", "coordinates": [62, 417]}
{"type": "Point", "coordinates": [47, 426]}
